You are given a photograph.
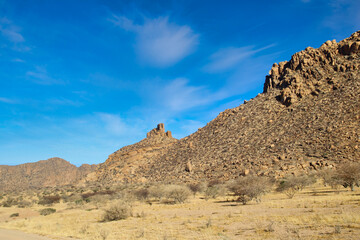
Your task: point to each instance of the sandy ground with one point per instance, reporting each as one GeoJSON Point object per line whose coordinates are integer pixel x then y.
{"type": "Point", "coordinates": [6, 234]}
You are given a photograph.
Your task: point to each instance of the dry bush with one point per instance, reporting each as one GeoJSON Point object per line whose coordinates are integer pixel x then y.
{"type": "Point", "coordinates": [157, 192]}
{"type": "Point", "coordinates": [348, 175]}
{"type": "Point", "coordinates": [329, 178]}
{"type": "Point", "coordinates": [24, 204]}
{"type": "Point", "coordinates": [9, 202]}
{"type": "Point", "coordinates": [197, 187]}
{"type": "Point", "coordinates": [177, 193]}
{"type": "Point", "coordinates": [49, 200]}
{"type": "Point", "coordinates": [292, 184]}
{"type": "Point", "coordinates": [142, 194]}
{"type": "Point", "coordinates": [117, 211]}
{"type": "Point", "coordinates": [214, 190]}
{"type": "Point", "coordinates": [249, 187]}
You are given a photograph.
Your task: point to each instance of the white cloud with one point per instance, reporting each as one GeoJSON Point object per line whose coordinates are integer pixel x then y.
{"type": "Point", "coordinates": [178, 95]}
{"type": "Point", "coordinates": [160, 43]}
{"type": "Point", "coordinates": [228, 58]}
{"type": "Point", "coordinates": [41, 76]}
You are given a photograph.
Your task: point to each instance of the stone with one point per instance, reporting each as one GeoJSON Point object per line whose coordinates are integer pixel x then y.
{"type": "Point", "coordinates": [188, 167]}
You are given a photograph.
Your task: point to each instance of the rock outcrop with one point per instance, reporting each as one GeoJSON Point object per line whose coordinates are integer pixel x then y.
{"type": "Point", "coordinates": [45, 173]}
{"type": "Point", "coordinates": [315, 71]}
{"type": "Point", "coordinates": [130, 164]}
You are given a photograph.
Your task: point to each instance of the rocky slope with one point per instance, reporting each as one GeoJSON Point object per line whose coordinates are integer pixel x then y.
{"type": "Point", "coordinates": [307, 118]}
{"type": "Point", "coordinates": [129, 163]}
{"type": "Point", "coordinates": [51, 172]}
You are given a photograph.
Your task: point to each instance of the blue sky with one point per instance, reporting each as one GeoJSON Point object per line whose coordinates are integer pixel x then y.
{"type": "Point", "coordinates": [80, 79]}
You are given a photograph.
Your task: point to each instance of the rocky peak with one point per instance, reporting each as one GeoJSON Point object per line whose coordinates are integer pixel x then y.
{"type": "Point", "coordinates": [314, 71]}
{"type": "Point", "coordinates": [159, 131]}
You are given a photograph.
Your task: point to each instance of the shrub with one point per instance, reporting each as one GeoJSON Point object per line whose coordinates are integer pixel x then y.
{"type": "Point", "coordinates": [329, 177]}
{"type": "Point", "coordinates": [49, 200]}
{"type": "Point", "coordinates": [9, 202]}
{"type": "Point", "coordinates": [14, 215]}
{"type": "Point", "coordinates": [47, 211]}
{"type": "Point", "coordinates": [348, 175]}
{"type": "Point", "coordinates": [118, 211]}
{"type": "Point", "coordinates": [212, 192]}
{"type": "Point", "coordinates": [197, 187]}
{"type": "Point", "coordinates": [142, 194]}
{"type": "Point", "coordinates": [292, 184]}
{"type": "Point", "coordinates": [249, 187]}
{"type": "Point", "coordinates": [177, 193]}
{"type": "Point", "coordinates": [157, 192]}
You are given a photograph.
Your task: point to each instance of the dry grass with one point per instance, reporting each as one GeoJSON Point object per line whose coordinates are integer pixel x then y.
{"type": "Point", "coordinates": [315, 213]}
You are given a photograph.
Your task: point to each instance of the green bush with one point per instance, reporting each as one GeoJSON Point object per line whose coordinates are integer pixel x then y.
{"type": "Point", "coordinates": [47, 211]}
{"type": "Point", "coordinates": [14, 215]}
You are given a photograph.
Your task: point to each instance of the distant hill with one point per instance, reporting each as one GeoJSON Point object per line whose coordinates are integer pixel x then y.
{"type": "Point", "coordinates": [45, 173]}
{"type": "Point", "coordinates": [307, 118]}
{"type": "Point", "coordinates": [130, 163]}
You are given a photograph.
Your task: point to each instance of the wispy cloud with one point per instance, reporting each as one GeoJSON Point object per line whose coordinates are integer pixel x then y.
{"type": "Point", "coordinates": [10, 31]}
{"type": "Point", "coordinates": [159, 42]}
{"type": "Point", "coordinates": [8, 100]}
{"type": "Point", "coordinates": [177, 95]}
{"type": "Point", "coordinates": [12, 35]}
{"type": "Point", "coordinates": [64, 102]}
{"type": "Point", "coordinates": [113, 123]}
{"type": "Point", "coordinates": [343, 13]}
{"type": "Point", "coordinates": [228, 58]}
{"type": "Point", "coordinates": [18, 60]}
{"type": "Point", "coordinates": [41, 76]}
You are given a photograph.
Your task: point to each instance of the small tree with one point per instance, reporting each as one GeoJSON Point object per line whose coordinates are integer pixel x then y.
{"type": "Point", "coordinates": [292, 184]}
{"type": "Point", "coordinates": [349, 175]}
{"type": "Point", "coordinates": [249, 187]}
{"type": "Point", "coordinates": [330, 178]}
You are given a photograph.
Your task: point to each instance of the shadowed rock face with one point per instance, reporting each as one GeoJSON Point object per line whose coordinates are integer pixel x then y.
{"type": "Point", "coordinates": [51, 172]}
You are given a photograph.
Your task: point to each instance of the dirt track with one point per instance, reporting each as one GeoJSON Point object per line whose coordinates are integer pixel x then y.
{"type": "Point", "coordinates": [6, 234]}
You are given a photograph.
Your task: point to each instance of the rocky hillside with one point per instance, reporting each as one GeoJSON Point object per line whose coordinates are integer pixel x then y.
{"type": "Point", "coordinates": [307, 118]}
{"type": "Point", "coordinates": [129, 163]}
{"type": "Point", "coordinates": [51, 172]}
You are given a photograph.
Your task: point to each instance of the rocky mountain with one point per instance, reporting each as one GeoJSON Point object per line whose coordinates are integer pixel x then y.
{"type": "Point", "coordinates": [128, 163]}
{"type": "Point", "coordinates": [45, 173]}
{"type": "Point", "coordinates": [307, 118]}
